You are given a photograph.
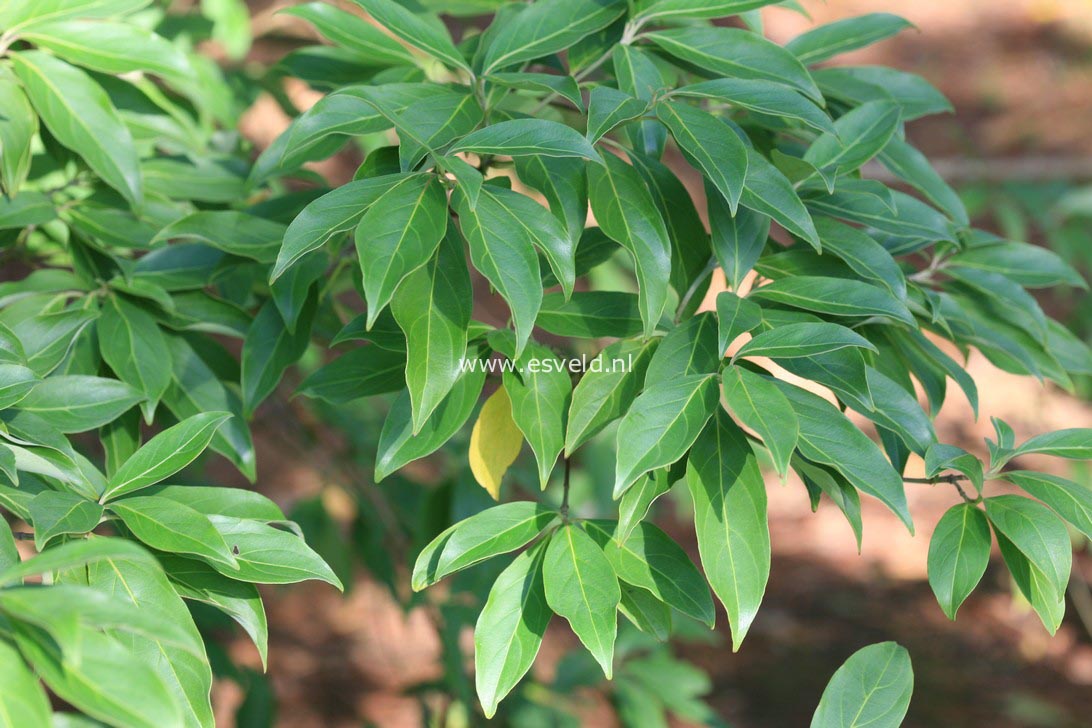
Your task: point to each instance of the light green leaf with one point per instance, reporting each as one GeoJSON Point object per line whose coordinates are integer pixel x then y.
{"type": "Point", "coordinates": [1074, 443]}
{"type": "Point", "coordinates": [165, 454]}
{"type": "Point", "coordinates": [221, 501]}
{"type": "Point", "coordinates": [540, 397]}
{"type": "Point", "coordinates": [1072, 501]}
{"type": "Point", "coordinates": [509, 630]}
{"type": "Point", "coordinates": [808, 339]}
{"type": "Point", "coordinates": [735, 316]}
{"type": "Point", "coordinates": [872, 688]}
{"type": "Point", "coordinates": [730, 520]}
{"type": "Point", "coordinates": [608, 108]}
{"type": "Point", "coordinates": [770, 193]}
{"type": "Point", "coordinates": [269, 555]}
{"type": "Point", "coordinates": [80, 115]}
{"type": "Point", "coordinates": [959, 551]}
{"type": "Point", "coordinates": [353, 33]}
{"type": "Point", "coordinates": [605, 391]}
{"type": "Point", "coordinates": [167, 525]}
{"type": "Point", "coordinates": [582, 588]}
{"type": "Point", "coordinates": [56, 513]}
{"type": "Point", "coordinates": [27, 13]}
{"type": "Point", "coordinates": [423, 31]}
{"type": "Point", "coordinates": [661, 425]}
{"type": "Point", "coordinates": [645, 611]}
{"type": "Point", "coordinates": [75, 554]}
{"type": "Point", "coordinates": [736, 53]}
{"type": "Point", "coordinates": [131, 343]}
{"type": "Point", "coordinates": [842, 36]}
{"type": "Point", "coordinates": [23, 702]}
{"type": "Point", "coordinates": [110, 47]}
{"type": "Point", "coordinates": [650, 559]}
{"type": "Point", "coordinates": [77, 403]}
{"type": "Point", "coordinates": [835, 297]}
{"type": "Point", "coordinates": [635, 503]}
{"type": "Point", "coordinates": [502, 249]}
{"type": "Point", "coordinates": [523, 137]}
{"type": "Point", "coordinates": [710, 145]}
{"type": "Point", "coordinates": [18, 125]}
{"type": "Point", "coordinates": [16, 382]}
{"type": "Point", "coordinates": [760, 405]}
{"type": "Point", "coordinates": [627, 214]}
{"type": "Point", "coordinates": [494, 531]}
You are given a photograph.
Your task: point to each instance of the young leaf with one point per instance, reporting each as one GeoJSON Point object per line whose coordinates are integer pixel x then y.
{"type": "Point", "coordinates": [492, 532]}
{"type": "Point", "coordinates": [502, 249]}
{"type": "Point", "coordinates": [509, 629]}
{"type": "Point", "coordinates": [397, 235]}
{"type": "Point", "coordinates": [432, 306]}
{"type": "Point", "coordinates": [872, 687]}
{"type": "Point", "coordinates": [582, 588]}
{"type": "Point", "coordinates": [959, 551]}
{"type": "Point", "coordinates": [912, 167]}
{"type": "Point", "coordinates": [661, 425]}
{"type": "Point", "coordinates": [80, 115]}
{"type": "Point", "coordinates": [1031, 266]}
{"type": "Point", "coordinates": [940, 457]}
{"type": "Point", "coordinates": [730, 520]}
{"type": "Point", "coordinates": [495, 442]}
{"type": "Point", "coordinates": [165, 454]}
{"type": "Point", "coordinates": [842, 36]}
{"type": "Point", "coordinates": [523, 137]}
{"type": "Point", "coordinates": [760, 405]}
{"type": "Point", "coordinates": [627, 213]}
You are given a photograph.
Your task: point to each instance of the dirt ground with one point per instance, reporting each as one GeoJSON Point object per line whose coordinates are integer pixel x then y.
{"type": "Point", "coordinates": [1019, 73]}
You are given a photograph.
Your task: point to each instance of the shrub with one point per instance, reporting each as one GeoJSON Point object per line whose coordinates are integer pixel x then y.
{"type": "Point", "coordinates": [155, 252]}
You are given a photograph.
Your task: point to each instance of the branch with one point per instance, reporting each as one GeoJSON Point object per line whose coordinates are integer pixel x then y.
{"type": "Point", "coordinates": [952, 479]}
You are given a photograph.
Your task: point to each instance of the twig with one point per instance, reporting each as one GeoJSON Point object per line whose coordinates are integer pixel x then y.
{"type": "Point", "coordinates": [708, 271]}
{"type": "Point", "coordinates": [565, 491]}
{"type": "Point", "coordinates": [952, 479]}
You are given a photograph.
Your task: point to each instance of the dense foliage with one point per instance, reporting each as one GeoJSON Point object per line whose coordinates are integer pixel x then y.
{"type": "Point", "coordinates": [148, 252]}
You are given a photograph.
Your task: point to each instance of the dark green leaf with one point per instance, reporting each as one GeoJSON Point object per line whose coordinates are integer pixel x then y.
{"type": "Point", "coordinates": [523, 137]}
{"type": "Point", "coordinates": [836, 297]}
{"type": "Point", "coordinates": [842, 36]}
{"type": "Point", "coordinates": [268, 555]}
{"type": "Point", "coordinates": [547, 27]}
{"type": "Point", "coordinates": [857, 137]}
{"type": "Point", "coordinates": [713, 147]}
{"type": "Point", "coordinates": [763, 97]}
{"type": "Point", "coordinates": [803, 340]}
{"type": "Point", "coordinates": [735, 316]}
{"type": "Point", "coordinates": [689, 348]}
{"type": "Point", "coordinates": [1072, 501]}
{"type": "Point", "coordinates": [131, 343]}
{"type": "Point", "coordinates": [76, 403]}
{"type": "Point", "coordinates": [540, 396]}
{"type": "Point", "coordinates": [959, 551]}
{"type": "Point", "coordinates": [362, 372]}
{"type": "Point", "coordinates": [760, 405]}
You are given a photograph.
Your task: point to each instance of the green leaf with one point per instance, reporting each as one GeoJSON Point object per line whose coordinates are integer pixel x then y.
{"type": "Point", "coordinates": [604, 393]}
{"type": "Point", "coordinates": [23, 702]}
{"type": "Point", "coordinates": [502, 249]}
{"type": "Point", "coordinates": [18, 126]}
{"type": "Point", "coordinates": [1074, 444]}
{"type": "Point", "coordinates": [29, 208]}
{"type": "Point", "coordinates": [15, 383]}
{"type": "Point", "coordinates": [196, 581]}
{"type": "Point", "coordinates": [269, 349]}
{"type": "Point", "coordinates": [636, 502]}
{"type": "Point", "coordinates": [430, 124]}
{"type": "Point", "coordinates": [564, 86]}
{"type": "Point", "coordinates": [509, 630]}
{"type": "Point", "coordinates": [940, 457]}
{"type": "Point", "coordinates": [710, 145]}
{"type": "Point", "coordinates": [609, 108]}
{"type": "Point", "coordinates": [829, 437]}
{"type": "Point", "coordinates": [590, 314]}
{"type": "Point", "coordinates": [109, 682]}
{"type": "Point", "coordinates": [563, 183]}
{"type": "Point", "coordinates": [910, 218]}
{"type": "Point", "coordinates": [736, 53]}
{"type": "Point", "coordinates": [864, 255]}
{"type": "Point", "coordinates": [55, 513]}
{"type": "Point", "coordinates": [819, 480]}
{"type": "Point", "coordinates": [650, 559]}
{"type": "Point", "coordinates": [582, 588]}
{"type": "Point", "coordinates": [661, 425]}
{"type": "Point", "coordinates": [187, 674]}
{"type": "Point", "coordinates": [842, 36]}
{"type": "Point", "coordinates": [689, 348]}
{"type": "Point", "coordinates": [1037, 550]}
{"type": "Point", "coordinates": [398, 445]}
{"type": "Point", "coordinates": [432, 306]}
{"type": "Point", "coordinates": [730, 520]}
{"type": "Point", "coordinates": [627, 214]}
{"type": "Point", "coordinates": [335, 212]}
{"type": "Point", "coordinates": [523, 137]}
{"type": "Point", "coordinates": [769, 192]}
{"type": "Point", "coordinates": [75, 554]}
{"type": "Point", "coordinates": [808, 339]}
{"type": "Point", "coordinates": [423, 31]}
{"type": "Point", "coordinates": [48, 337]}
{"type": "Point", "coordinates": [860, 84]}
{"type": "Point", "coordinates": [647, 613]}
{"type": "Point", "coordinates": [77, 403]}
{"type": "Point", "coordinates": [540, 396]}
{"type": "Point", "coordinates": [397, 235]}
{"type": "Point", "coordinates": [1031, 266]}
{"type": "Point", "coordinates": [268, 555]}
{"type": "Point", "coordinates": [763, 97]}
{"type": "Point", "coordinates": [640, 76]}
{"type": "Point", "coordinates": [835, 297]}
{"type": "Point", "coordinates": [760, 405]}
{"type": "Point", "coordinates": [353, 33]}
{"type": "Point", "coordinates": [1072, 501]}
{"type": "Point", "coordinates": [738, 240]}
{"type": "Point", "coordinates": [131, 343]}
{"type": "Point", "coordinates": [959, 551]}
{"type": "Point", "coordinates": [165, 454]}
{"type": "Point", "coordinates": [659, 10]}
{"type": "Point", "coordinates": [81, 117]}
{"type": "Point", "coordinates": [362, 372]}
{"type": "Point", "coordinates": [546, 27]}
{"type": "Point", "coordinates": [872, 688]}
{"type": "Point", "coordinates": [110, 47]}
{"type": "Point", "coordinates": [914, 168]}
{"type": "Point", "coordinates": [221, 501]}
{"type": "Point", "coordinates": [735, 316]}
{"type": "Point", "coordinates": [467, 176]}
{"type": "Point", "coordinates": [27, 13]}
{"type": "Point", "coordinates": [857, 137]}
{"type": "Point", "coordinates": [196, 390]}
{"type": "Point", "coordinates": [232, 232]}
{"type": "Point", "coordinates": [173, 527]}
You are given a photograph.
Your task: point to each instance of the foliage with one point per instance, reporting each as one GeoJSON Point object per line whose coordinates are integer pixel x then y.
{"type": "Point", "coordinates": [156, 252]}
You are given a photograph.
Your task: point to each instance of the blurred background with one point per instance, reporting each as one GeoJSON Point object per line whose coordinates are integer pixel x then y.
{"type": "Point", "coordinates": [1019, 150]}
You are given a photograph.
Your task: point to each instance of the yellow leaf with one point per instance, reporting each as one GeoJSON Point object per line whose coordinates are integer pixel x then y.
{"type": "Point", "coordinates": [494, 442]}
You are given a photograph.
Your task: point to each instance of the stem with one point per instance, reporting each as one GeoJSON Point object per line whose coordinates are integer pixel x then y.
{"type": "Point", "coordinates": [952, 479]}
{"type": "Point", "coordinates": [706, 272]}
{"type": "Point", "coordinates": [565, 491]}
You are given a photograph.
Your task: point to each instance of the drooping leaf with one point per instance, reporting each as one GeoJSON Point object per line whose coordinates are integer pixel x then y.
{"type": "Point", "coordinates": [495, 442]}
{"type": "Point", "coordinates": [760, 405]}
{"type": "Point", "coordinates": [56, 513]}
{"type": "Point", "coordinates": [605, 391]}
{"type": "Point", "coordinates": [173, 527]}
{"type": "Point", "coordinates": [269, 555]}
{"type": "Point", "coordinates": [872, 687]}
{"type": "Point", "coordinates": [540, 396]}
{"type": "Point", "coordinates": [959, 551]}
